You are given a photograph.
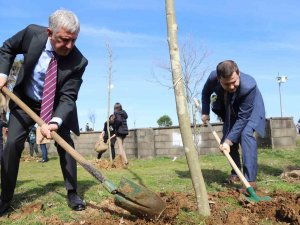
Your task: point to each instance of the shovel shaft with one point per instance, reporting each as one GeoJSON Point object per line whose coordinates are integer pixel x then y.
{"type": "Point", "coordinates": [68, 148]}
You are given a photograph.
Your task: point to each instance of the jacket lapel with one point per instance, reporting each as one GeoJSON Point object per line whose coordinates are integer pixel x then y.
{"type": "Point", "coordinates": [35, 49]}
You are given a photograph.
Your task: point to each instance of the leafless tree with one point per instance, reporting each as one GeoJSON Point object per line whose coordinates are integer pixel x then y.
{"type": "Point", "coordinates": [194, 66]}
{"type": "Point", "coordinates": [92, 117]}
{"type": "Point", "coordinates": [110, 73]}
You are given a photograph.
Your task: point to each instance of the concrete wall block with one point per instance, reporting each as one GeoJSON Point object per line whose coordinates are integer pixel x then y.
{"type": "Point", "coordinates": [279, 123]}
{"type": "Point", "coordinates": [164, 145]}
{"type": "Point", "coordinates": [205, 151]}
{"type": "Point", "coordinates": [162, 152]}
{"type": "Point", "coordinates": [204, 136]}
{"type": "Point", "coordinates": [166, 131]}
{"type": "Point", "coordinates": [284, 142]}
{"type": "Point", "coordinates": [163, 137]}
{"type": "Point", "coordinates": [208, 144]}
{"type": "Point", "coordinates": [284, 132]}
{"type": "Point", "coordinates": [130, 145]}
{"type": "Point", "coordinates": [176, 152]}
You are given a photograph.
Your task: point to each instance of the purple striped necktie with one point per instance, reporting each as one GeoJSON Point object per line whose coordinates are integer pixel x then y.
{"type": "Point", "coordinates": [49, 90]}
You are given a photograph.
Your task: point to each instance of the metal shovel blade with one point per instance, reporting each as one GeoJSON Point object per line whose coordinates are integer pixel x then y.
{"type": "Point", "coordinates": [139, 200]}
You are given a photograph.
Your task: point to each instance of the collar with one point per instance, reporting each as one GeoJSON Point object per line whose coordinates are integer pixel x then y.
{"type": "Point", "coordinates": [49, 47]}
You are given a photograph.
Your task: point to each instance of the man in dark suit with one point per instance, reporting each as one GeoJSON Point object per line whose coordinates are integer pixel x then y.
{"type": "Point", "coordinates": [240, 105]}
{"type": "Point", "coordinates": [39, 45]}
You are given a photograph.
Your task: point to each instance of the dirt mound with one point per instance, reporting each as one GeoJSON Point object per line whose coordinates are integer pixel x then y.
{"type": "Point", "coordinates": [28, 158]}
{"type": "Point", "coordinates": [118, 162]}
{"type": "Point", "coordinates": [284, 207]}
{"type": "Point", "coordinates": [26, 210]}
{"type": "Point", "coordinates": [291, 174]}
{"type": "Point", "coordinates": [106, 164]}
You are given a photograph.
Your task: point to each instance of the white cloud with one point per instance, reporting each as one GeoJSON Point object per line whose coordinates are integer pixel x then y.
{"type": "Point", "coordinates": [127, 5]}
{"type": "Point", "coordinates": [119, 38]}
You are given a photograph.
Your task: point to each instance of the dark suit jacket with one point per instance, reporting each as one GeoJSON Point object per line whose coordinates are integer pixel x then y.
{"type": "Point", "coordinates": [246, 103]}
{"type": "Point", "coordinates": [31, 42]}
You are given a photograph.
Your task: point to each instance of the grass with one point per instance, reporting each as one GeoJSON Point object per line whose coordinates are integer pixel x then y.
{"type": "Point", "coordinates": [39, 182]}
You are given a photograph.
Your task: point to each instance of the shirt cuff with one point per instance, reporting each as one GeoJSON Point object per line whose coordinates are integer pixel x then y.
{"type": "Point", "coordinates": [3, 75]}
{"type": "Point", "coordinates": [56, 120]}
{"type": "Point", "coordinates": [227, 141]}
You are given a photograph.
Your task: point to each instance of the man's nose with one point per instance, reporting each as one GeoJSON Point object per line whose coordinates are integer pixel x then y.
{"type": "Point", "coordinates": [69, 45]}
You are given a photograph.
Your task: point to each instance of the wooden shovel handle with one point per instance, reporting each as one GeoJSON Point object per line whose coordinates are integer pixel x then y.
{"type": "Point", "coordinates": [229, 158]}
{"type": "Point", "coordinates": [68, 148]}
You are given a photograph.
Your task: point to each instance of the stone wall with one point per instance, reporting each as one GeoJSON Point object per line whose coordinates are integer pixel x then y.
{"type": "Point", "coordinates": [283, 132]}
{"type": "Point", "coordinates": [153, 142]}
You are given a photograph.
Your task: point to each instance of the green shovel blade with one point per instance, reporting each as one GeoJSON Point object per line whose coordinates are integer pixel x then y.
{"type": "Point", "coordinates": [254, 197]}
{"type": "Point", "coordinates": [139, 200]}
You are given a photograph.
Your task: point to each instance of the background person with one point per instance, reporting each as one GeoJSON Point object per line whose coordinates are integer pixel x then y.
{"type": "Point", "coordinates": [240, 105]}
{"type": "Point", "coordinates": [298, 126]}
{"type": "Point", "coordinates": [44, 153]}
{"type": "Point", "coordinates": [32, 142]}
{"type": "Point", "coordinates": [48, 82]}
{"type": "Point", "coordinates": [122, 131]}
{"type": "Point", "coordinates": [113, 126]}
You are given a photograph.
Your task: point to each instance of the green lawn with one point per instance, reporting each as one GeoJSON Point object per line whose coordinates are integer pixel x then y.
{"type": "Point", "coordinates": [39, 182]}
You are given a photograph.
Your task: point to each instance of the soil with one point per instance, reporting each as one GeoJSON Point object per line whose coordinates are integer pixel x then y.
{"type": "Point", "coordinates": [284, 208]}
{"type": "Point", "coordinates": [106, 164]}
{"type": "Point", "coordinates": [291, 174]}
{"type": "Point", "coordinates": [28, 158]}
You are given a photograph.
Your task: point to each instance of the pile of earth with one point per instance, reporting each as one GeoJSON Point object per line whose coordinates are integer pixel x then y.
{"type": "Point", "coordinates": [291, 174]}
{"type": "Point", "coordinates": [284, 208]}
{"type": "Point", "coordinates": [28, 158]}
{"type": "Point", "coordinates": [106, 164]}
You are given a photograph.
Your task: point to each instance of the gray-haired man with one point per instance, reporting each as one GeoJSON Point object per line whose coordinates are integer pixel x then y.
{"type": "Point", "coordinates": [39, 46]}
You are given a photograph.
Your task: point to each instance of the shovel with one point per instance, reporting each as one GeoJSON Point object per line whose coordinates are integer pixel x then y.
{"type": "Point", "coordinates": [252, 194]}
{"type": "Point", "coordinates": [133, 197]}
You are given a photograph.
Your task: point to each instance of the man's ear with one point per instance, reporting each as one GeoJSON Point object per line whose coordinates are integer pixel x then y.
{"type": "Point", "coordinates": [49, 32]}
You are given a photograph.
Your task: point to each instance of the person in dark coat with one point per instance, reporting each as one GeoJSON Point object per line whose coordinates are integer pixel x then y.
{"type": "Point", "coordinates": [122, 131]}
{"type": "Point", "coordinates": [113, 127]}
{"type": "Point", "coordinates": [240, 105]}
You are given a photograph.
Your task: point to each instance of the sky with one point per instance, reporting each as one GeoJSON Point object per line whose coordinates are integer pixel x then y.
{"type": "Point", "coordinates": [263, 37]}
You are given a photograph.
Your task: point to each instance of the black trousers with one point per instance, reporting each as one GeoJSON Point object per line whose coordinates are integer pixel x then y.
{"type": "Point", "coordinates": [19, 127]}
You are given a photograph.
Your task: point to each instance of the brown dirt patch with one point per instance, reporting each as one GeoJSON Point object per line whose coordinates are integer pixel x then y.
{"type": "Point", "coordinates": [28, 158]}
{"type": "Point", "coordinates": [291, 174]}
{"type": "Point", "coordinates": [284, 208]}
{"type": "Point", "coordinates": [106, 164]}
{"type": "Point", "coordinates": [26, 210]}
{"type": "Point", "coordinates": [227, 207]}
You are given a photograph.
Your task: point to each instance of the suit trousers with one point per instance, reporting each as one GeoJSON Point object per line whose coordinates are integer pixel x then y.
{"type": "Point", "coordinates": [249, 154]}
{"type": "Point", "coordinates": [19, 126]}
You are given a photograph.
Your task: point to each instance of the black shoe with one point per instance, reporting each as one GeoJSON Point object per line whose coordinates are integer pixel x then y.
{"type": "Point", "coordinates": [4, 206]}
{"type": "Point", "coordinates": [43, 161]}
{"type": "Point", "coordinates": [75, 202]}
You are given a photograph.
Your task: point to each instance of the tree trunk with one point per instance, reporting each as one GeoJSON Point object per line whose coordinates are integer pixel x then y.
{"type": "Point", "coordinates": [108, 98]}
{"type": "Point", "coordinates": [182, 113]}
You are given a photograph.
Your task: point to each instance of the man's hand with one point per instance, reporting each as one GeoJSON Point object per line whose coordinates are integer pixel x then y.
{"type": "Point", "coordinates": [47, 128]}
{"type": "Point", "coordinates": [225, 147]}
{"type": "Point", "coordinates": [205, 118]}
{"type": "Point", "coordinates": [2, 81]}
